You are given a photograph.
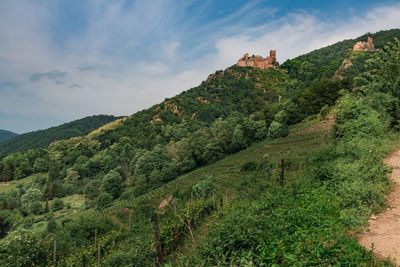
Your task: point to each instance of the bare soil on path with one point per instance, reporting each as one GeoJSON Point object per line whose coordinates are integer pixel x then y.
{"type": "Point", "coordinates": [384, 229]}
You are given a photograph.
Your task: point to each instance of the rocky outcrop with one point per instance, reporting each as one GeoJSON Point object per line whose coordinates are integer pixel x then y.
{"type": "Point", "coordinates": [339, 74]}
{"type": "Point", "coordinates": [258, 61]}
{"type": "Point", "coordinates": [365, 46]}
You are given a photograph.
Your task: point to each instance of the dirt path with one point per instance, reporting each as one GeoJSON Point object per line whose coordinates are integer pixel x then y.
{"type": "Point", "coordinates": [384, 228]}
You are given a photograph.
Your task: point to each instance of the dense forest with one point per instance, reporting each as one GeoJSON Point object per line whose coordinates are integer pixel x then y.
{"type": "Point", "coordinates": [5, 135]}
{"type": "Point", "coordinates": [42, 138]}
{"type": "Point", "coordinates": [225, 173]}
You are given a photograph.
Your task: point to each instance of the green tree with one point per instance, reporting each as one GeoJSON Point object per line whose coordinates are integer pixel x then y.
{"type": "Point", "coordinates": [92, 189]}
{"type": "Point", "coordinates": [40, 165]}
{"type": "Point", "coordinates": [54, 170]}
{"type": "Point", "coordinates": [22, 248]}
{"type": "Point", "coordinates": [238, 139]}
{"type": "Point", "coordinates": [8, 172]}
{"type": "Point", "coordinates": [104, 199]}
{"type": "Point", "coordinates": [112, 184]}
{"type": "Point", "coordinates": [31, 201]}
{"type": "Point", "coordinates": [277, 129]}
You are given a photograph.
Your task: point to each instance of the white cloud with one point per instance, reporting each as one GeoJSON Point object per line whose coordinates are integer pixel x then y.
{"type": "Point", "coordinates": [127, 60]}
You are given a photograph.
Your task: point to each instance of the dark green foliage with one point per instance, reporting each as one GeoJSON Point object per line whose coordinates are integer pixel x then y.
{"type": "Point", "coordinates": [42, 138]}
{"type": "Point", "coordinates": [92, 189]}
{"type": "Point", "coordinates": [321, 93]}
{"type": "Point", "coordinates": [51, 226]}
{"type": "Point", "coordinates": [7, 173]}
{"type": "Point", "coordinates": [57, 204]}
{"type": "Point", "coordinates": [103, 200]}
{"type": "Point", "coordinates": [249, 166]}
{"type": "Point", "coordinates": [5, 135]}
{"type": "Point", "coordinates": [112, 184]}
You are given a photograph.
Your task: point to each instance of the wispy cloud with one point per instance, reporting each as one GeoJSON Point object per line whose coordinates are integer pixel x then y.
{"type": "Point", "coordinates": [54, 75]}
{"type": "Point", "coordinates": [124, 56]}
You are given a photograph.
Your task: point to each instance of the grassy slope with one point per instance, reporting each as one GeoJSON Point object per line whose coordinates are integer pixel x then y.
{"type": "Point", "coordinates": [228, 177]}
{"type": "Point", "coordinates": [294, 149]}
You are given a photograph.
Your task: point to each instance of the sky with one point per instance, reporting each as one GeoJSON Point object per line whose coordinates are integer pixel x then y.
{"type": "Point", "coordinates": [63, 60]}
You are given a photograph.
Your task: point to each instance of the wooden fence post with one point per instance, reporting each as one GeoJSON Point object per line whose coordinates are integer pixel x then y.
{"type": "Point", "coordinates": [283, 172]}
{"type": "Point", "coordinates": [158, 240]}
{"type": "Point", "coordinates": [130, 216]}
{"type": "Point", "coordinates": [54, 252]}
{"type": "Point", "coordinates": [98, 256]}
{"type": "Point", "coordinates": [95, 238]}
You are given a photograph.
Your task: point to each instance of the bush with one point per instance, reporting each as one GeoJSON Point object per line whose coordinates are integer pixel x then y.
{"type": "Point", "coordinates": [103, 200]}
{"type": "Point", "coordinates": [277, 129]}
{"type": "Point", "coordinates": [22, 248]}
{"type": "Point", "coordinates": [57, 204]}
{"type": "Point", "coordinates": [249, 166]}
{"type": "Point", "coordinates": [205, 188]}
{"type": "Point", "coordinates": [51, 226]}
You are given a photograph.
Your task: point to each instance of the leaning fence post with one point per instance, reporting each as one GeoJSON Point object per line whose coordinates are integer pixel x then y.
{"type": "Point", "coordinates": [158, 240]}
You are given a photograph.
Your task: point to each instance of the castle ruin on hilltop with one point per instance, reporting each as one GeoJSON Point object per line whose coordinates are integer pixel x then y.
{"type": "Point", "coordinates": [258, 61]}
{"type": "Point", "coordinates": [365, 46]}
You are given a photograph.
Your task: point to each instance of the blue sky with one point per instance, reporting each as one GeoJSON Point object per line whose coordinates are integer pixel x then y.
{"type": "Point", "coordinates": [63, 60]}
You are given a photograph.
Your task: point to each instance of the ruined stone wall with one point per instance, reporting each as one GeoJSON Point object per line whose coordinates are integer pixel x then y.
{"type": "Point", "coordinates": [258, 61]}
{"type": "Point", "coordinates": [365, 46]}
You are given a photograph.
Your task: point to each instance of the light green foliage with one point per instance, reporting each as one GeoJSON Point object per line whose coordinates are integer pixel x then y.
{"type": "Point", "coordinates": [31, 201]}
{"type": "Point", "coordinates": [205, 188]}
{"type": "Point", "coordinates": [281, 116]}
{"type": "Point", "coordinates": [22, 248]}
{"type": "Point", "coordinates": [40, 165]}
{"type": "Point", "coordinates": [151, 160]}
{"type": "Point", "coordinates": [277, 129]}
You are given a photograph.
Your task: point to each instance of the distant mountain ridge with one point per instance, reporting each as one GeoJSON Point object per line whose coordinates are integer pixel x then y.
{"type": "Point", "coordinates": [42, 138]}
{"type": "Point", "coordinates": [5, 135]}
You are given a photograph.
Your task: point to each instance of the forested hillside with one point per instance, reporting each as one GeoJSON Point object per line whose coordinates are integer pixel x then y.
{"type": "Point", "coordinates": [42, 138]}
{"type": "Point", "coordinates": [5, 135]}
{"type": "Point", "coordinates": [236, 171]}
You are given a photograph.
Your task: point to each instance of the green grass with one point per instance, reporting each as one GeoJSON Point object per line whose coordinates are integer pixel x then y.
{"type": "Point", "coordinates": [8, 186]}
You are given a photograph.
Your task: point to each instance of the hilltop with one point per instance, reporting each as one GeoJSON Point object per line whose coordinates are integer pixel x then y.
{"type": "Point", "coordinates": [42, 138]}
{"type": "Point", "coordinates": [5, 135]}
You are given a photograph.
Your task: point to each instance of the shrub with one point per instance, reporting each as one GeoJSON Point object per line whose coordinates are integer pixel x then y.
{"type": "Point", "coordinates": [205, 188]}
{"type": "Point", "coordinates": [249, 166]}
{"type": "Point", "coordinates": [22, 248]}
{"type": "Point", "coordinates": [57, 204]}
{"type": "Point", "coordinates": [103, 200]}
{"type": "Point", "coordinates": [277, 129]}
{"type": "Point", "coordinates": [51, 226]}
